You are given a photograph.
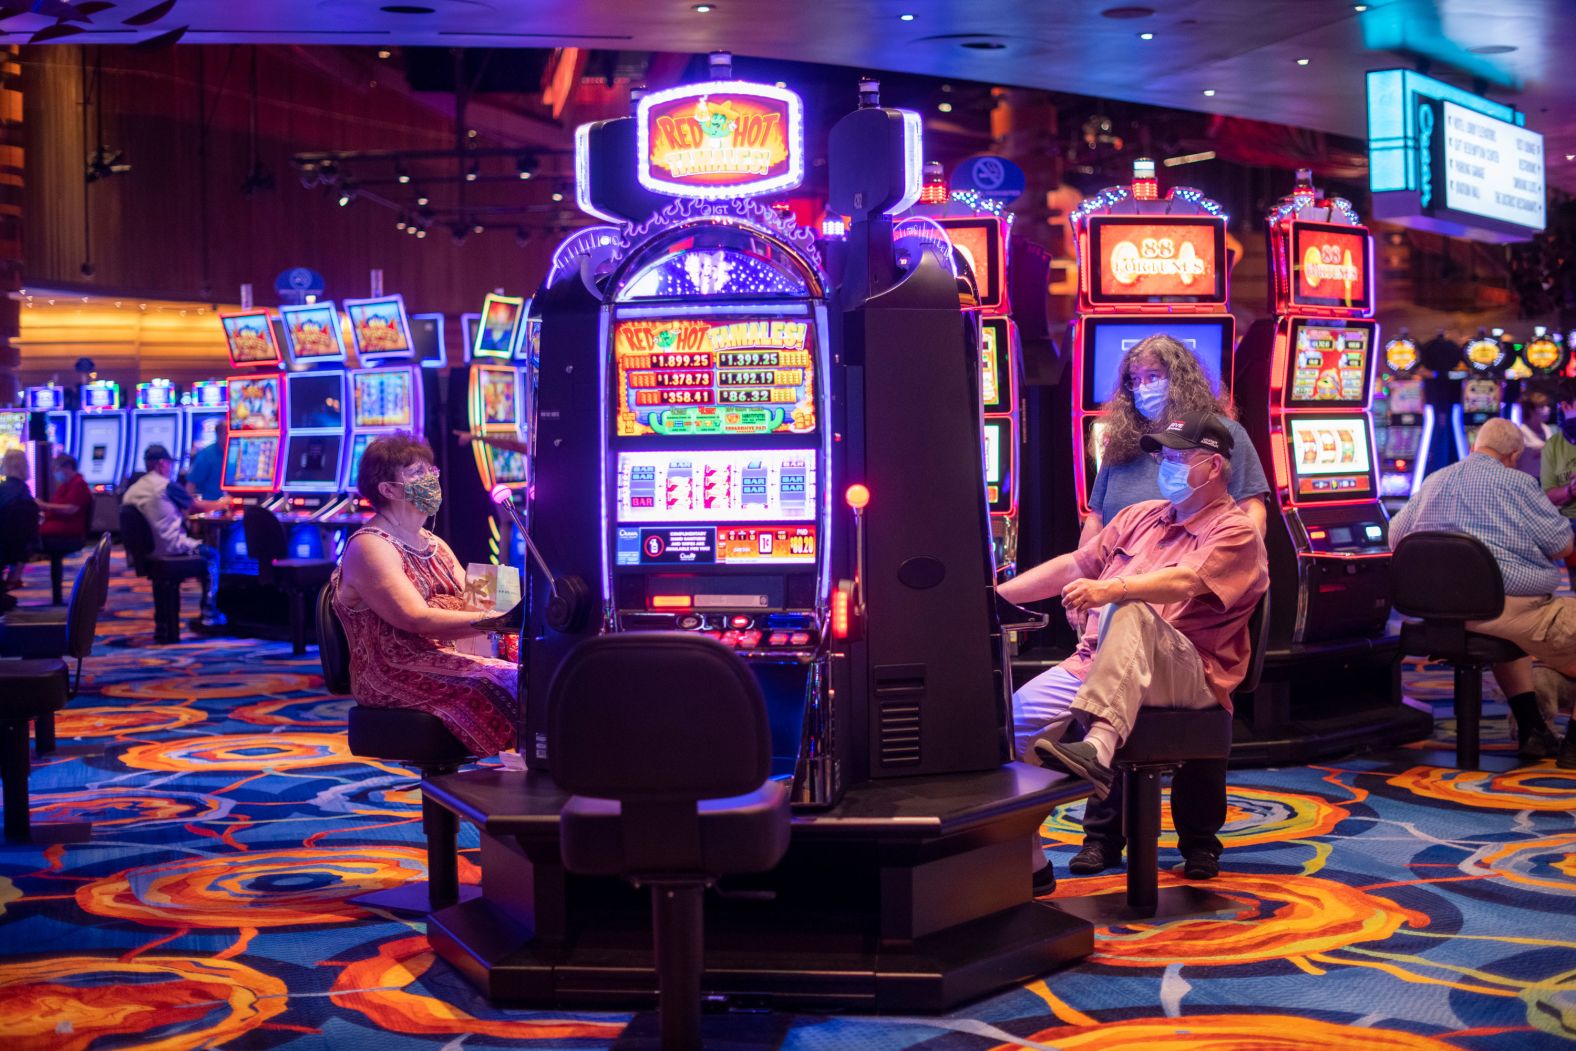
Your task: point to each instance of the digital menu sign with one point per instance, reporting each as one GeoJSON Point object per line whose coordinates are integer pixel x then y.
{"type": "Point", "coordinates": [697, 376]}
{"type": "Point", "coordinates": [746, 485]}
{"type": "Point", "coordinates": [720, 139]}
{"type": "Point", "coordinates": [1330, 457]}
{"type": "Point", "coordinates": [1329, 266]}
{"type": "Point", "coordinates": [1329, 364]}
{"type": "Point", "coordinates": [1156, 259]}
{"type": "Point", "coordinates": [1490, 167]}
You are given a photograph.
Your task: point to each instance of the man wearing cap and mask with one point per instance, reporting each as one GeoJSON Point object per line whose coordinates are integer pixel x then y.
{"type": "Point", "coordinates": [151, 495]}
{"type": "Point", "coordinates": [1166, 590]}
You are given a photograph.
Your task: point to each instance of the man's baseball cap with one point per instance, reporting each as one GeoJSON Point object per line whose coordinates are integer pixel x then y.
{"type": "Point", "coordinates": [1191, 430]}
{"type": "Point", "coordinates": [153, 454]}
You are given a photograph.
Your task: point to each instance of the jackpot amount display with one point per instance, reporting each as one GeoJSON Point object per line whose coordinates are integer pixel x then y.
{"type": "Point", "coordinates": [691, 376]}
{"type": "Point", "coordinates": [746, 486]}
{"type": "Point", "coordinates": [1331, 364]}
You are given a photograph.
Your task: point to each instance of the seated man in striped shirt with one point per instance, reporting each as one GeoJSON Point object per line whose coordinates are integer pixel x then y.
{"type": "Point", "coordinates": [1485, 496]}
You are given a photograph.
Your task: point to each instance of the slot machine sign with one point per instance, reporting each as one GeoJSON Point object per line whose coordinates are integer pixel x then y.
{"type": "Point", "coordinates": [1156, 259]}
{"type": "Point", "coordinates": [1485, 355]}
{"type": "Point", "coordinates": [1330, 266]}
{"type": "Point", "coordinates": [1401, 355]}
{"type": "Point", "coordinates": [720, 139]}
{"type": "Point", "coordinates": [1543, 355]}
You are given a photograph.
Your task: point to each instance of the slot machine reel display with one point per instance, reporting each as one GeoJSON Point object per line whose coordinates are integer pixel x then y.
{"type": "Point", "coordinates": [102, 436]}
{"type": "Point", "coordinates": [1403, 423]}
{"type": "Point", "coordinates": [59, 421]}
{"type": "Point", "coordinates": [1304, 384]}
{"type": "Point", "coordinates": [1482, 392]}
{"type": "Point", "coordinates": [696, 486]}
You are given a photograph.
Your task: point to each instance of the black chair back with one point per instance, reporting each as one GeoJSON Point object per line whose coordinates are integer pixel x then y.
{"type": "Point", "coordinates": [1446, 576]}
{"type": "Point", "coordinates": [1258, 640]}
{"type": "Point", "coordinates": [18, 529]}
{"type": "Point", "coordinates": [136, 536]}
{"type": "Point", "coordinates": [101, 559]}
{"type": "Point", "coordinates": [265, 540]}
{"type": "Point", "coordinates": [690, 713]}
{"type": "Point", "coordinates": [333, 648]}
{"type": "Point", "coordinates": [83, 611]}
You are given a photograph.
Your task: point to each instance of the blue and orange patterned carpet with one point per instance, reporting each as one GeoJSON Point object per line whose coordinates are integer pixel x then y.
{"type": "Point", "coordinates": [1393, 904]}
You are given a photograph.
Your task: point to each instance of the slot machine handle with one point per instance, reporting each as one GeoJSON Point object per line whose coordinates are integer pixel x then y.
{"type": "Point", "coordinates": [858, 498]}
{"type": "Point", "coordinates": [569, 609]}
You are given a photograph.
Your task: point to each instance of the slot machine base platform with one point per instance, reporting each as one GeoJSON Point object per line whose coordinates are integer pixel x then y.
{"type": "Point", "coordinates": [909, 895]}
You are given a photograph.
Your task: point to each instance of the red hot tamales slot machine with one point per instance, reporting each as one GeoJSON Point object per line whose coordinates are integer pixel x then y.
{"type": "Point", "coordinates": [1305, 380]}
{"type": "Point", "coordinates": [1147, 265]}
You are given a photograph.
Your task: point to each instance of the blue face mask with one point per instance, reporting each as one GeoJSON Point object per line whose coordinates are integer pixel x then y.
{"type": "Point", "coordinates": [1173, 480]}
{"type": "Point", "coordinates": [1150, 398]}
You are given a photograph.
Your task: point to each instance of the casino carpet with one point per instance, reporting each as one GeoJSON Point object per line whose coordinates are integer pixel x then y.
{"type": "Point", "coordinates": [1392, 904]}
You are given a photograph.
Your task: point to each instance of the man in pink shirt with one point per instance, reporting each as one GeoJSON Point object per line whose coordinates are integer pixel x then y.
{"type": "Point", "coordinates": [1166, 590]}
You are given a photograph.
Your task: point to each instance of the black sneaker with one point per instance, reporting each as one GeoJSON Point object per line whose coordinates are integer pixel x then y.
{"type": "Point", "coordinates": [1094, 857]}
{"type": "Point", "coordinates": [1079, 759]}
{"type": "Point", "coordinates": [1044, 880]}
{"type": "Point", "coordinates": [1539, 744]}
{"type": "Point", "coordinates": [1200, 864]}
{"type": "Point", "coordinates": [1567, 757]}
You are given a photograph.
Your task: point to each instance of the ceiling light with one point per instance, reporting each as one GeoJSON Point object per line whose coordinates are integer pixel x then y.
{"type": "Point", "coordinates": [478, 228]}
{"type": "Point", "coordinates": [1146, 36]}
{"type": "Point", "coordinates": [1570, 156]}
{"type": "Point", "coordinates": [473, 171]}
{"type": "Point", "coordinates": [1209, 93]}
{"type": "Point", "coordinates": [347, 195]}
{"type": "Point", "coordinates": [905, 18]}
{"type": "Point", "coordinates": [384, 52]}
{"type": "Point", "coordinates": [526, 165]}
{"type": "Point", "coordinates": [782, 84]}
{"type": "Point", "coordinates": [401, 175]}
{"type": "Point", "coordinates": [945, 107]}
{"type": "Point", "coordinates": [401, 224]}
{"type": "Point", "coordinates": [703, 9]}
{"type": "Point", "coordinates": [1359, 8]}
{"type": "Point", "coordinates": [1303, 61]}
{"type": "Point", "coordinates": [422, 199]}
{"type": "Point", "coordinates": [557, 197]}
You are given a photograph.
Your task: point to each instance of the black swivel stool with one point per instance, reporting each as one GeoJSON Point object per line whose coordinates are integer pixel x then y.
{"type": "Point", "coordinates": [56, 548]}
{"type": "Point", "coordinates": [1447, 579]}
{"type": "Point", "coordinates": [689, 805]}
{"type": "Point", "coordinates": [1162, 740]}
{"type": "Point", "coordinates": [410, 738]}
{"type": "Point", "coordinates": [166, 574]}
{"type": "Point", "coordinates": [298, 578]}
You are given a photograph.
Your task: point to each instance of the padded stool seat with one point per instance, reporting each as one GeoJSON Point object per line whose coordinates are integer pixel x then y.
{"type": "Point", "coordinates": [298, 578]}
{"type": "Point", "coordinates": [1175, 735]}
{"type": "Point", "coordinates": [747, 833]}
{"type": "Point", "coordinates": [29, 690]}
{"type": "Point", "coordinates": [1420, 639]}
{"type": "Point", "coordinates": [404, 735]}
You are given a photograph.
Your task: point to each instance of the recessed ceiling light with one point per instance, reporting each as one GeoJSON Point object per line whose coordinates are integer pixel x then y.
{"type": "Point", "coordinates": [1146, 36]}
{"type": "Point", "coordinates": [1303, 61]}
{"type": "Point", "coordinates": [905, 18]}
{"type": "Point", "coordinates": [408, 9]}
{"type": "Point", "coordinates": [1570, 156]}
{"type": "Point", "coordinates": [1359, 8]}
{"type": "Point", "coordinates": [384, 53]}
{"type": "Point", "coordinates": [945, 107]}
{"type": "Point", "coordinates": [557, 197]}
{"type": "Point", "coordinates": [1131, 11]}
{"type": "Point", "coordinates": [1209, 93]}
{"type": "Point", "coordinates": [702, 9]}
{"type": "Point", "coordinates": [1493, 49]}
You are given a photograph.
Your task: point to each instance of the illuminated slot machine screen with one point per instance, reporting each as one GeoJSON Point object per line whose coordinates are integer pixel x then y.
{"type": "Point", "coordinates": [1107, 341]}
{"type": "Point", "coordinates": [996, 378]}
{"type": "Point", "coordinates": [379, 327]}
{"type": "Point", "coordinates": [46, 399]}
{"type": "Point", "coordinates": [1406, 397]}
{"type": "Point", "coordinates": [426, 336]}
{"type": "Point", "coordinates": [498, 330]}
{"type": "Point", "coordinates": [353, 463]}
{"type": "Point", "coordinates": [313, 333]}
{"type": "Point", "coordinates": [156, 428]}
{"type": "Point", "coordinates": [1156, 259]}
{"type": "Point", "coordinates": [250, 338]}
{"type": "Point", "coordinates": [13, 430]}
{"type": "Point", "coordinates": [723, 506]}
{"type": "Point", "coordinates": [1329, 266]}
{"type": "Point", "coordinates": [979, 240]}
{"type": "Point", "coordinates": [100, 441]}
{"type": "Point", "coordinates": [1402, 443]}
{"type": "Point", "coordinates": [1481, 396]}
{"type": "Point", "coordinates": [311, 462]}
{"type": "Point", "coordinates": [250, 462]}
{"type": "Point", "coordinates": [156, 396]}
{"type": "Point", "coordinates": [254, 403]}
{"type": "Point", "coordinates": [1330, 458]}
{"type": "Point", "coordinates": [315, 401]}
{"type": "Point", "coordinates": [383, 398]}
{"type": "Point", "coordinates": [685, 377]}
{"type": "Point", "coordinates": [1000, 451]}
{"type": "Point", "coordinates": [101, 394]}
{"type": "Point", "coordinates": [1329, 364]}
{"type": "Point", "coordinates": [205, 428]}
{"type": "Point", "coordinates": [508, 466]}
{"type": "Point", "coordinates": [496, 396]}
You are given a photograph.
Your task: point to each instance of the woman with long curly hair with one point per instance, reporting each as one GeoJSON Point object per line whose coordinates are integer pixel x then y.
{"type": "Point", "coordinates": [1158, 379]}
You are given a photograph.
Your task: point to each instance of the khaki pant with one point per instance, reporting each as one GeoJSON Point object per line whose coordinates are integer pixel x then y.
{"type": "Point", "coordinates": [1542, 625]}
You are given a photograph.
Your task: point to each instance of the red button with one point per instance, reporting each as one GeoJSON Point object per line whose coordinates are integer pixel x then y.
{"type": "Point", "coordinates": [800, 638]}
{"type": "Point", "coordinates": [778, 639]}
{"type": "Point", "coordinates": [750, 640]}
{"type": "Point", "coordinates": [730, 638]}
{"type": "Point", "coordinates": [738, 621]}
{"type": "Point", "coordinates": [712, 634]}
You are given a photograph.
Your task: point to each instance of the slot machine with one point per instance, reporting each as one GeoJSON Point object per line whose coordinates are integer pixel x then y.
{"type": "Point", "coordinates": [1482, 392]}
{"type": "Point", "coordinates": [59, 420]}
{"type": "Point", "coordinates": [102, 436]}
{"type": "Point", "coordinates": [387, 394]}
{"type": "Point", "coordinates": [1543, 360]}
{"type": "Point", "coordinates": [1304, 383]}
{"type": "Point", "coordinates": [315, 434]}
{"type": "Point", "coordinates": [156, 419]}
{"type": "Point", "coordinates": [204, 405]}
{"type": "Point", "coordinates": [255, 403]}
{"type": "Point", "coordinates": [13, 435]}
{"type": "Point", "coordinates": [1403, 424]}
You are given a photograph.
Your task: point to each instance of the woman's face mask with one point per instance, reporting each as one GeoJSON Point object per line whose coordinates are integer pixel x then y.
{"type": "Point", "coordinates": [425, 493]}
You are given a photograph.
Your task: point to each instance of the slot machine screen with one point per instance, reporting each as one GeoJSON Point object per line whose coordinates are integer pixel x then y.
{"type": "Point", "coordinates": [210, 394]}
{"type": "Point", "coordinates": [316, 400]}
{"type": "Point", "coordinates": [1156, 259]}
{"type": "Point", "coordinates": [313, 333]}
{"type": "Point", "coordinates": [312, 462]}
{"type": "Point", "coordinates": [156, 396]}
{"type": "Point", "coordinates": [353, 465]}
{"type": "Point", "coordinates": [1330, 458]}
{"type": "Point", "coordinates": [1402, 443]}
{"type": "Point", "coordinates": [733, 485]}
{"type": "Point", "coordinates": [1330, 363]}
{"type": "Point", "coordinates": [59, 425]}
{"type": "Point", "coordinates": [1406, 397]}
{"type": "Point", "coordinates": [45, 399]}
{"type": "Point", "coordinates": [1481, 396]}
{"type": "Point", "coordinates": [383, 398]}
{"type": "Point", "coordinates": [1329, 266]}
{"type": "Point", "coordinates": [379, 327]}
{"type": "Point", "coordinates": [426, 335]}
{"type": "Point", "coordinates": [980, 243]}
{"type": "Point", "coordinates": [101, 395]}
{"type": "Point", "coordinates": [509, 466]}
{"type": "Point", "coordinates": [689, 376]}
{"type": "Point", "coordinates": [161, 428]}
{"type": "Point", "coordinates": [249, 462]}
{"type": "Point", "coordinates": [499, 328]}
{"type": "Point", "coordinates": [205, 429]}
{"type": "Point", "coordinates": [1000, 446]}
{"type": "Point", "coordinates": [996, 339]}
{"type": "Point", "coordinates": [254, 403]}
{"type": "Point", "coordinates": [100, 443]}
{"type": "Point", "coordinates": [251, 339]}
{"type": "Point", "coordinates": [469, 325]}
{"type": "Point", "coordinates": [1106, 342]}
{"type": "Point", "coordinates": [13, 431]}
{"type": "Point", "coordinates": [498, 396]}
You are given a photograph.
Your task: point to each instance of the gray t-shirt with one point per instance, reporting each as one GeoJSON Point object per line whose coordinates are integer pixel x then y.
{"type": "Point", "coordinates": [1121, 484]}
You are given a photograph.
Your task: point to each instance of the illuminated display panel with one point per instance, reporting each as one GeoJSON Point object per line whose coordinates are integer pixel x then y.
{"type": "Point", "coordinates": [45, 399]}
{"type": "Point", "coordinates": [1484, 354]}
{"type": "Point", "coordinates": [254, 403]}
{"type": "Point", "coordinates": [156, 396]}
{"type": "Point", "coordinates": [100, 443]}
{"type": "Point", "coordinates": [316, 400]}
{"type": "Point", "coordinates": [353, 464]}
{"type": "Point", "coordinates": [728, 545]}
{"type": "Point", "coordinates": [690, 377]}
{"type": "Point", "coordinates": [156, 428]}
{"type": "Point", "coordinates": [311, 462]}
{"type": "Point", "coordinates": [101, 395]}
{"type": "Point", "coordinates": [1481, 396]}
{"type": "Point", "coordinates": [1107, 341]}
{"type": "Point", "coordinates": [59, 429]}
{"type": "Point", "coordinates": [1329, 364]}
{"type": "Point", "coordinates": [313, 333]}
{"type": "Point", "coordinates": [1329, 266]}
{"type": "Point", "coordinates": [499, 327]}
{"type": "Point", "coordinates": [1000, 452]}
{"type": "Point", "coordinates": [249, 462]}
{"type": "Point", "coordinates": [720, 139]}
{"type": "Point", "coordinates": [383, 398]}
{"type": "Point", "coordinates": [250, 338]}
{"type": "Point", "coordinates": [13, 431]}
{"type": "Point", "coordinates": [1156, 259]}
{"type": "Point", "coordinates": [379, 327]}
{"type": "Point", "coordinates": [1329, 458]}
{"type": "Point", "coordinates": [1401, 355]}
{"type": "Point", "coordinates": [1406, 397]}
{"type": "Point", "coordinates": [996, 364]}
{"type": "Point", "coordinates": [1542, 354]}
{"type": "Point", "coordinates": [204, 429]}
{"type": "Point", "coordinates": [495, 396]}
{"type": "Point", "coordinates": [980, 242]}
{"type": "Point", "coordinates": [210, 394]}
{"type": "Point", "coordinates": [509, 466]}
{"type": "Point", "coordinates": [737, 485]}
{"type": "Point", "coordinates": [1402, 443]}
